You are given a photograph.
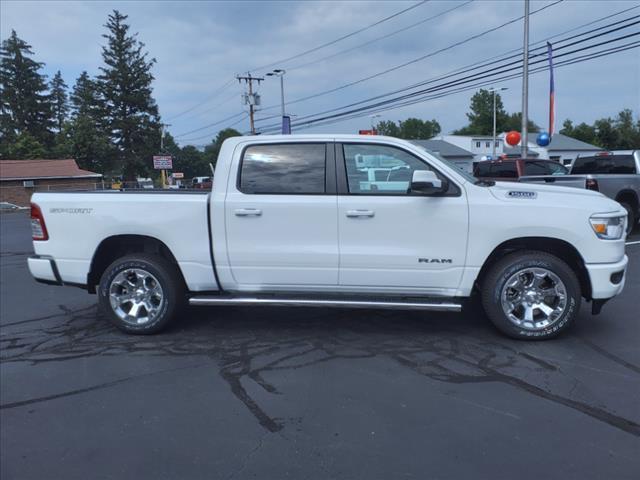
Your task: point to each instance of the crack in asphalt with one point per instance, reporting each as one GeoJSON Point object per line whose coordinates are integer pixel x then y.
{"type": "Point", "coordinates": [100, 386]}
{"type": "Point", "coordinates": [248, 349]}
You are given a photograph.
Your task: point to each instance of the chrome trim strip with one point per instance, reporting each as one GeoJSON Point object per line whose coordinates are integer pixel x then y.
{"type": "Point", "coordinates": [290, 302]}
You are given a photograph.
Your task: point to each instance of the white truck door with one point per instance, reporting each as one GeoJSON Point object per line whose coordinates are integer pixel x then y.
{"type": "Point", "coordinates": [281, 217]}
{"type": "Point", "coordinates": [390, 239]}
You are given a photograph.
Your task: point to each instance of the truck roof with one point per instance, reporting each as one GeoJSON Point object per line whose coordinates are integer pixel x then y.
{"type": "Point", "coordinates": [316, 137]}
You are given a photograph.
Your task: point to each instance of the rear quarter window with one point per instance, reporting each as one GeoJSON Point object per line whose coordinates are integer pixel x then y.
{"type": "Point", "coordinates": [611, 164]}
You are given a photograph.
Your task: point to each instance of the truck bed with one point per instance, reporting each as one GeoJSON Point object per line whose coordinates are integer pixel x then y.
{"type": "Point", "coordinates": [178, 219]}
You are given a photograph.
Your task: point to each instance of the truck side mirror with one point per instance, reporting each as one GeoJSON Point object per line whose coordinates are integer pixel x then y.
{"type": "Point", "coordinates": [426, 182]}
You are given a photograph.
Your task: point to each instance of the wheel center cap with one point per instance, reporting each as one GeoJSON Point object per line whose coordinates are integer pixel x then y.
{"type": "Point", "coordinates": [531, 297]}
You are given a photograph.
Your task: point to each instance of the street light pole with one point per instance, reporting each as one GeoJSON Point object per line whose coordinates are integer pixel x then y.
{"type": "Point", "coordinates": [494, 90]}
{"type": "Point", "coordinates": [525, 82]}
{"type": "Point", "coordinates": [278, 72]}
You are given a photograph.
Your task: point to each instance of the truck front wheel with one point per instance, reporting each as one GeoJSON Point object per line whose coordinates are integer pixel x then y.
{"type": "Point", "coordinates": [140, 293]}
{"type": "Point", "coordinates": [531, 295]}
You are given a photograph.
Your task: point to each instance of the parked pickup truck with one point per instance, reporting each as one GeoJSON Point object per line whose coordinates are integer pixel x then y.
{"type": "Point", "coordinates": [614, 174]}
{"type": "Point", "coordinates": [299, 221]}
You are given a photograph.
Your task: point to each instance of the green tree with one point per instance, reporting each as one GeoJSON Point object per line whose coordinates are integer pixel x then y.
{"type": "Point", "coordinates": [628, 131]}
{"type": "Point", "coordinates": [59, 101]}
{"type": "Point", "coordinates": [125, 84]}
{"type": "Point", "coordinates": [409, 129]}
{"type": "Point", "coordinates": [211, 151]}
{"type": "Point", "coordinates": [415, 129]}
{"type": "Point", "coordinates": [389, 128]}
{"type": "Point", "coordinates": [85, 136]}
{"type": "Point", "coordinates": [583, 132]}
{"type": "Point", "coordinates": [514, 122]}
{"type": "Point", "coordinates": [25, 105]}
{"type": "Point", "coordinates": [481, 115]}
{"type": "Point", "coordinates": [26, 146]}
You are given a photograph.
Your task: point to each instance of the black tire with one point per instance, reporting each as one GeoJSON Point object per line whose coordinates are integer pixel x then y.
{"type": "Point", "coordinates": [500, 272]}
{"type": "Point", "coordinates": [166, 274]}
{"type": "Point", "coordinates": [632, 219]}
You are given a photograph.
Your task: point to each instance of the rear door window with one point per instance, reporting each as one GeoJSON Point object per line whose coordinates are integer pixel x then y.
{"type": "Point", "coordinates": [294, 168]}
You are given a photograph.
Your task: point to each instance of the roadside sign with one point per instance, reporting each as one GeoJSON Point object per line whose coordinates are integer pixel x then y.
{"type": "Point", "coordinates": [177, 175]}
{"type": "Point", "coordinates": [162, 162]}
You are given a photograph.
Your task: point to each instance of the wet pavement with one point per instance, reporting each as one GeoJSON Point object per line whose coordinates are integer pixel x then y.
{"type": "Point", "coordinates": [309, 393]}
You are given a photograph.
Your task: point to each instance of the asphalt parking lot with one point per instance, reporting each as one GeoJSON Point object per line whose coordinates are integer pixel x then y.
{"type": "Point", "coordinates": [309, 393]}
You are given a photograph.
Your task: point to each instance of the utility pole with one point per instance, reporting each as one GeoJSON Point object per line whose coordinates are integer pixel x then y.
{"type": "Point", "coordinates": [252, 99]}
{"type": "Point", "coordinates": [525, 82]}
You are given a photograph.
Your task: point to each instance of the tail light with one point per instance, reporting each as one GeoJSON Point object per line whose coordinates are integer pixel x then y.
{"type": "Point", "coordinates": [592, 184]}
{"type": "Point", "coordinates": [38, 228]}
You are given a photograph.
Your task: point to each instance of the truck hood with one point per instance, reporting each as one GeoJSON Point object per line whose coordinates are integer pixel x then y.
{"type": "Point", "coordinates": [554, 195]}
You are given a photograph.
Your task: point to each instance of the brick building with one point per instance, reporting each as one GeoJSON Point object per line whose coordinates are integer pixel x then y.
{"type": "Point", "coordinates": [20, 178]}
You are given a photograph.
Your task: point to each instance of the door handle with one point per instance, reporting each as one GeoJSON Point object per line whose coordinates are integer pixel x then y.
{"type": "Point", "coordinates": [248, 212]}
{"type": "Point", "coordinates": [360, 213]}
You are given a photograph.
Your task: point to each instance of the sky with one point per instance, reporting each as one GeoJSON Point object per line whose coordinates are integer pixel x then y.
{"type": "Point", "coordinates": [200, 47]}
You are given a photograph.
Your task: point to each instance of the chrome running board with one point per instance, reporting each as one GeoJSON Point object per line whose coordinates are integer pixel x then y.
{"type": "Point", "coordinates": [432, 304]}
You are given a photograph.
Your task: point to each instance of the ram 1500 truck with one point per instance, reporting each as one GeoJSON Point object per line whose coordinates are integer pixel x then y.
{"type": "Point", "coordinates": [336, 220]}
{"type": "Point", "coordinates": [614, 174]}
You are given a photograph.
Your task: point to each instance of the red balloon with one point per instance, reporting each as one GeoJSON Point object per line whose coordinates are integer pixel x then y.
{"type": "Point", "coordinates": [513, 138]}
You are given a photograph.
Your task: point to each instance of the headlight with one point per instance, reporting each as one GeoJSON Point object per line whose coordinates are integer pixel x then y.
{"type": "Point", "coordinates": [608, 228]}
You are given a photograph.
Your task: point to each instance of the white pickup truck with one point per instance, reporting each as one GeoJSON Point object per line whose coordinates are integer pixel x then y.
{"type": "Point", "coordinates": [302, 220]}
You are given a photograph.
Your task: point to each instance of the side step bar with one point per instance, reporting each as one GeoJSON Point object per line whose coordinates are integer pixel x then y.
{"type": "Point", "coordinates": [444, 306]}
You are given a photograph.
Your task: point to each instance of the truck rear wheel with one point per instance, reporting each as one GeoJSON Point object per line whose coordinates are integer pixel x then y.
{"type": "Point", "coordinates": [140, 293]}
{"type": "Point", "coordinates": [531, 295]}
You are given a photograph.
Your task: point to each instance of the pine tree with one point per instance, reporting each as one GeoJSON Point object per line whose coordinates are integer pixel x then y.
{"type": "Point", "coordinates": [59, 101]}
{"type": "Point", "coordinates": [25, 105]}
{"type": "Point", "coordinates": [131, 113]}
{"type": "Point", "coordinates": [86, 136]}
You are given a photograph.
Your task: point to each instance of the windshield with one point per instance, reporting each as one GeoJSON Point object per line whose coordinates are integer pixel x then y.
{"type": "Point", "coordinates": [544, 168]}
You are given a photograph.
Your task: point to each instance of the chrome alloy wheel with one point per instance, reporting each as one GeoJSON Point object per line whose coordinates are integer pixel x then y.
{"type": "Point", "coordinates": [534, 298]}
{"type": "Point", "coordinates": [135, 296]}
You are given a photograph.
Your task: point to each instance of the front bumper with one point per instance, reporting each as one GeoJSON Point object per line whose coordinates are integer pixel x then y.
{"type": "Point", "coordinates": [607, 279]}
{"type": "Point", "coordinates": [44, 269]}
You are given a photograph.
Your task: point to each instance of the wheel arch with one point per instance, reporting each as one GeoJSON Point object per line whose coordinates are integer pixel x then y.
{"type": "Point", "coordinates": [630, 197]}
{"type": "Point", "coordinates": [560, 248]}
{"type": "Point", "coordinates": [116, 246]}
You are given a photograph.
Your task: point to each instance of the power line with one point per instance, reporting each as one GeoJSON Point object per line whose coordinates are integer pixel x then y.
{"type": "Point", "coordinates": [368, 109]}
{"type": "Point", "coordinates": [463, 89]}
{"type": "Point", "coordinates": [210, 97]}
{"type": "Point", "coordinates": [210, 125]}
{"type": "Point", "coordinates": [384, 37]}
{"type": "Point", "coordinates": [515, 62]}
{"type": "Point", "coordinates": [339, 39]}
{"type": "Point", "coordinates": [423, 57]}
{"type": "Point", "coordinates": [500, 58]}
{"type": "Point", "coordinates": [211, 134]}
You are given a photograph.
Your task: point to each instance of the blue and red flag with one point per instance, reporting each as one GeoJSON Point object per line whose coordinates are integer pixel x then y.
{"type": "Point", "coordinates": [552, 93]}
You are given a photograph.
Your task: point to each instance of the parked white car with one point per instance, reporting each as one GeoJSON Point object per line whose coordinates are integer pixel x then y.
{"type": "Point", "coordinates": [296, 220]}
